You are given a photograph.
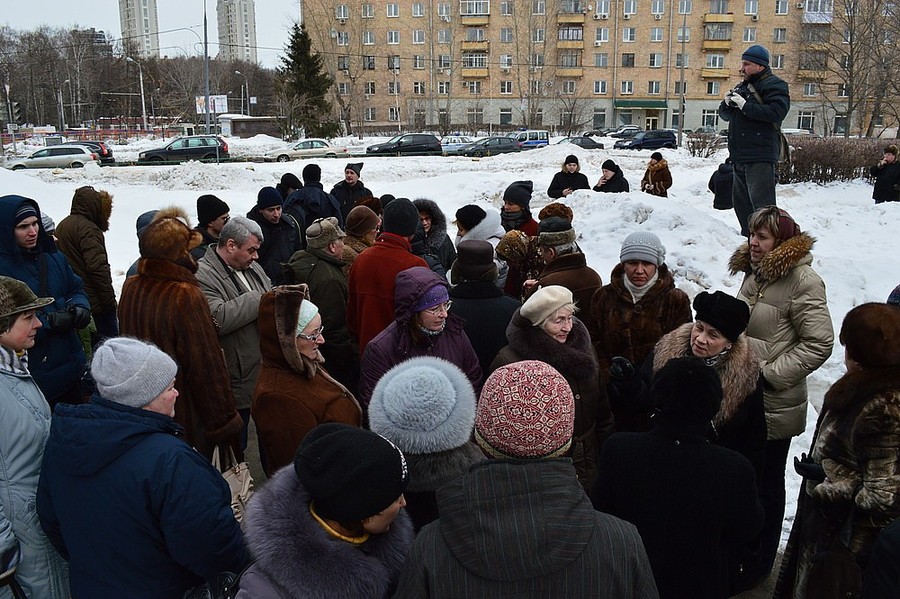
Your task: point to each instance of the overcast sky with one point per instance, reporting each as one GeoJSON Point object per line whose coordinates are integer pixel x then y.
{"type": "Point", "coordinates": [273, 21]}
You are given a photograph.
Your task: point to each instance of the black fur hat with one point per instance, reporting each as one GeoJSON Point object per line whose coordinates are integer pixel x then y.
{"type": "Point", "coordinates": [688, 390]}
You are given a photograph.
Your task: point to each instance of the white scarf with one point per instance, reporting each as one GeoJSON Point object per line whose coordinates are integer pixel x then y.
{"type": "Point", "coordinates": [638, 292]}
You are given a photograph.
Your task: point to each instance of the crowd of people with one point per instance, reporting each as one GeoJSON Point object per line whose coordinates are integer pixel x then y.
{"type": "Point", "coordinates": [438, 415]}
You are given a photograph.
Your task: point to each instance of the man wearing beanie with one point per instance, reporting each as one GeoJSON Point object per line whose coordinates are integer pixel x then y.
{"type": "Point", "coordinates": [691, 501]}
{"type": "Point", "coordinates": [887, 177]}
{"type": "Point", "coordinates": [289, 184]}
{"type": "Point", "coordinates": [361, 230]}
{"type": "Point", "coordinates": [350, 189]}
{"type": "Point", "coordinates": [370, 305]}
{"type": "Point", "coordinates": [613, 179]}
{"type": "Point", "coordinates": [121, 489]}
{"type": "Point", "coordinates": [233, 283]}
{"type": "Point", "coordinates": [523, 423]}
{"type": "Point", "coordinates": [321, 267]}
{"type": "Point", "coordinates": [281, 233]}
{"type": "Point", "coordinates": [568, 179]}
{"type": "Point", "coordinates": [474, 222]}
{"type": "Point", "coordinates": [310, 202]}
{"type": "Point", "coordinates": [754, 110]}
{"type": "Point", "coordinates": [212, 214]}
{"type": "Point", "coordinates": [29, 254]}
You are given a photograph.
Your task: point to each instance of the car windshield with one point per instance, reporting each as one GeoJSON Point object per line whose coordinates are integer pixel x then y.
{"type": "Point", "coordinates": [394, 139]}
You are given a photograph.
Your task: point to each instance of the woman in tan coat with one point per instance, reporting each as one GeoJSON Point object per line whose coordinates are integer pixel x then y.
{"type": "Point", "coordinates": [294, 393]}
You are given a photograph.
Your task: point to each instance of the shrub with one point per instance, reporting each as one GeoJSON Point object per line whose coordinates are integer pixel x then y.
{"type": "Point", "coordinates": [703, 145]}
{"type": "Point", "coordinates": [823, 160]}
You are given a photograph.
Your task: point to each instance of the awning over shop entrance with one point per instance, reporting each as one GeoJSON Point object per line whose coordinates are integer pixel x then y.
{"type": "Point", "coordinates": [656, 104]}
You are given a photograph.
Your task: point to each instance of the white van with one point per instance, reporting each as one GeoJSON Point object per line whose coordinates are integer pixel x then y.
{"type": "Point", "coordinates": [531, 138]}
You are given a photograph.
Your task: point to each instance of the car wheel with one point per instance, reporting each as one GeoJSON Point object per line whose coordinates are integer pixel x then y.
{"type": "Point", "coordinates": [156, 159]}
{"type": "Point", "coordinates": [670, 146]}
{"type": "Point", "coordinates": [478, 154]}
{"type": "Point", "coordinates": [77, 165]}
{"type": "Point", "coordinates": [331, 155]}
{"type": "Point", "coordinates": [637, 148]}
{"type": "Point", "coordinates": [284, 158]}
{"type": "Point", "coordinates": [18, 167]}
{"type": "Point", "coordinates": [209, 157]}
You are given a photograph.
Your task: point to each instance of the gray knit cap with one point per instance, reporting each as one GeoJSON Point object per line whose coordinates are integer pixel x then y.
{"type": "Point", "coordinates": [643, 246]}
{"type": "Point", "coordinates": [131, 372]}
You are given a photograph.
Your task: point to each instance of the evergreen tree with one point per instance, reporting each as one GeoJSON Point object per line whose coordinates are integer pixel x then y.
{"type": "Point", "coordinates": [302, 86]}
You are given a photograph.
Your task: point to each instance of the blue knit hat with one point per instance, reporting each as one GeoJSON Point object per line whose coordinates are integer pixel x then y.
{"type": "Point", "coordinates": [268, 197]}
{"type": "Point", "coordinates": [756, 54]}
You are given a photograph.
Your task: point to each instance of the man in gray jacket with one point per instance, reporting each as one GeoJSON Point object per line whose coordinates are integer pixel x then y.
{"type": "Point", "coordinates": [233, 283]}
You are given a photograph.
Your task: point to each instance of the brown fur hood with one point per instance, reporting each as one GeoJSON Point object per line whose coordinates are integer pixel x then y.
{"type": "Point", "coordinates": [855, 387]}
{"type": "Point", "coordinates": [169, 236]}
{"type": "Point", "coordinates": [278, 312]}
{"type": "Point", "coordinates": [658, 166]}
{"type": "Point", "coordinates": [93, 204]}
{"type": "Point", "coordinates": [738, 369]}
{"type": "Point", "coordinates": [777, 263]}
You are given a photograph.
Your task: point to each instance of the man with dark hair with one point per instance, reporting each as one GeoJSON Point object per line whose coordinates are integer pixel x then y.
{"type": "Point", "coordinates": [754, 109]}
{"type": "Point", "coordinates": [350, 189]}
{"type": "Point", "coordinates": [281, 232]}
{"type": "Point", "coordinates": [310, 202]}
{"type": "Point", "coordinates": [212, 214]}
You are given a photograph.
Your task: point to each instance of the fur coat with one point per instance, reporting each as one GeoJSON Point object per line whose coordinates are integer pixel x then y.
{"type": "Point", "coordinates": [575, 360]}
{"type": "Point", "coordinates": [790, 328]}
{"type": "Point", "coordinates": [353, 246]}
{"type": "Point", "coordinates": [296, 557]}
{"type": "Point", "coordinates": [437, 242]}
{"type": "Point", "coordinates": [428, 472]}
{"type": "Point", "coordinates": [657, 179]}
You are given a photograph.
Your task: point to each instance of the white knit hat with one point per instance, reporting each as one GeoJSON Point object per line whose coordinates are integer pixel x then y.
{"type": "Point", "coordinates": [131, 372]}
{"type": "Point", "coordinates": [545, 302]}
{"type": "Point", "coordinates": [643, 246]}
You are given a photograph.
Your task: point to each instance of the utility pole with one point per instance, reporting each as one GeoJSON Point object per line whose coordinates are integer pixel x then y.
{"type": "Point", "coordinates": [206, 68]}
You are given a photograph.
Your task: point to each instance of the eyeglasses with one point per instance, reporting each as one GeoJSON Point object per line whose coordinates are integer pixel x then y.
{"type": "Point", "coordinates": [314, 335]}
{"type": "Point", "coordinates": [445, 307]}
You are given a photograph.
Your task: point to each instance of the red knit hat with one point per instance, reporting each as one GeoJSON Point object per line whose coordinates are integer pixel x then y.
{"type": "Point", "coordinates": [787, 227]}
{"type": "Point", "coordinates": [526, 410]}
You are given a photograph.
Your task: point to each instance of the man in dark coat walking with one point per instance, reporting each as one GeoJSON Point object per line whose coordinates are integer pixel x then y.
{"type": "Point", "coordinates": [754, 110]}
{"type": "Point", "coordinates": [351, 189]}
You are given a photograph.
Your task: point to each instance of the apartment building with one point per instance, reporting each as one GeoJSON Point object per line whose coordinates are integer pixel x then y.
{"type": "Point", "coordinates": [237, 29]}
{"type": "Point", "coordinates": [570, 64]}
{"type": "Point", "coordinates": [140, 26]}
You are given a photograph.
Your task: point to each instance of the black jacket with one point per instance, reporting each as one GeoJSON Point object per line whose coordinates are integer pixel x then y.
{"type": "Point", "coordinates": [309, 203]}
{"type": "Point", "coordinates": [347, 196]}
{"type": "Point", "coordinates": [720, 183]}
{"type": "Point", "coordinates": [564, 180]}
{"type": "Point", "coordinates": [617, 184]}
{"type": "Point", "coordinates": [754, 132]}
{"type": "Point", "coordinates": [887, 182]}
{"type": "Point", "coordinates": [486, 312]}
{"type": "Point", "coordinates": [279, 243]}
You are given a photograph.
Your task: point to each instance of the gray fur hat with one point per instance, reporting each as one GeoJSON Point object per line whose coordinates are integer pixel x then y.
{"type": "Point", "coordinates": [131, 372]}
{"type": "Point", "coordinates": [424, 405]}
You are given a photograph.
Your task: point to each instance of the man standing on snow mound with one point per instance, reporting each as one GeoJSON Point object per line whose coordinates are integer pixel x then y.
{"type": "Point", "coordinates": [754, 110]}
{"type": "Point", "coordinates": [351, 189]}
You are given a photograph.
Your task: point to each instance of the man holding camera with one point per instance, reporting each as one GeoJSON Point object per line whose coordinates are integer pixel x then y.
{"type": "Point", "coordinates": [754, 110]}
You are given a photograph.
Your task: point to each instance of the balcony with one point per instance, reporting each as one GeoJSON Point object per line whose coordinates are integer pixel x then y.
{"type": "Point", "coordinates": [718, 18]}
{"type": "Point", "coordinates": [570, 18]}
{"type": "Point", "coordinates": [474, 72]}
{"type": "Point", "coordinates": [811, 74]}
{"type": "Point", "coordinates": [474, 20]}
{"type": "Point", "coordinates": [715, 73]}
{"type": "Point", "coordinates": [718, 45]}
{"type": "Point", "coordinates": [570, 72]}
{"type": "Point", "coordinates": [473, 46]}
{"type": "Point", "coordinates": [570, 44]}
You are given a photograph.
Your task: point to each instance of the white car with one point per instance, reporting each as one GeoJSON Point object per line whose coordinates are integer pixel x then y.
{"type": "Point", "coordinates": [67, 156]}
{"type": "Point", "coordinates": [307, 148]}
{"type": "Point", "coordinates": [450, 144]}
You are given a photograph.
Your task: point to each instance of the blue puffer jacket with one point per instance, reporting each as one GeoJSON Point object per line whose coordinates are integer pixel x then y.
{"type": "Point", "coordinates": [753, 134]}
{"type": "Point", "coordinates": [57, 359]}
{"type": "Point", "coordinates": [136, 511]}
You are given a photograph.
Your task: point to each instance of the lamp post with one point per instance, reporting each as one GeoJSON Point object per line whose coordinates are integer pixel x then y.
{"type": "Point", "coordinates": [247, 89]}
{"type": "Point", "coordinates": [206, 69]}
{"type": "Point", "coordinates": [143, 100]}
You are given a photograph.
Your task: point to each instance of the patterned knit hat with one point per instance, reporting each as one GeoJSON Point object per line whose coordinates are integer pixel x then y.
{"type": "Point", "coordinates": [556, 209]}
{"type": "Point", "coordinates": [526, 411]}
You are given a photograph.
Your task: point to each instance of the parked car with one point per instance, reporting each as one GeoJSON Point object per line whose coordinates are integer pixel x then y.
{"type": "Point", "coordinates": [192, 147]}
{"type": "Point", "coordinates": [491, 146]}
{"type": "Point", "coordinates": [583, 142]}
{"type": "Point", "coordinates": [408, 143]}
{"type": "Point", "coordinates": [649, 140]}
{"type": "Point", "coordinates": [99, 147]}
{"type": "Point", "coordinates": [306, 148]}
{"type": "Point", "coordinates": [61, 156]}
{"type": "Point", "coordinates": [626, 132]}
{"type": "Point", "coordinates": [531, 138]}
{"type": "Point", "coordinates": [450, 144]}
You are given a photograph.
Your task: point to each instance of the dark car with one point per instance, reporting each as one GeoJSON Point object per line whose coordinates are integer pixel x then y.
{"type": "Point", "coordinates": [192, 147]}
{"type": "Point", "coordinates": [583, 142]}
{"type": "Point", "coordinates": [649, 140]}
{"type": "Point", "coordinates": [626, 132]}
{"type": "Point", "coordinates": [103, 151]}
{"type": "Point", "coordinates": [490, 146]}
{"type": "Point", "coordinates": [409, 143]}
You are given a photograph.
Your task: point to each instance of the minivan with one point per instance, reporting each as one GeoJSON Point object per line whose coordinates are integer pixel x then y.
{"type": "Point", "coordinates": [531, 138]}
{"type": "Point", "coordinates": [408, 143]}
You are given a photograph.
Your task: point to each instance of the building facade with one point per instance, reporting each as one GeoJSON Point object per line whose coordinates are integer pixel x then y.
{"type": "Point", "coordinates": [237, 29]}
{"type": "Point", "coordinates": [574, 65]}
{"type": "Point", "coordinates": [140, 26]}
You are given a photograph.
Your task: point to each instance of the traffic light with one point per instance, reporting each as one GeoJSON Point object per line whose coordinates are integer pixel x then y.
{"type": "Point", "coordinates": [16, 112]}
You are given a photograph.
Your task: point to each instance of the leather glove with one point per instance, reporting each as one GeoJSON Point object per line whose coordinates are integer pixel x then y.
{"type": "Point", "coordinates": [621, 368]}
{"type": "Point", "coordinates": [808, 469]}
{"type": "Point", "coordinates": [81, 316]}
{"type": "Point", "coordinates": [61, 322]}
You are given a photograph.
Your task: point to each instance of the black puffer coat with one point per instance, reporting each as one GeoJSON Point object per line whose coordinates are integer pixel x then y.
{"type": "Point", "coordinates": [436, 240]}
{"type": "Point", "coordinates": [566, 180]}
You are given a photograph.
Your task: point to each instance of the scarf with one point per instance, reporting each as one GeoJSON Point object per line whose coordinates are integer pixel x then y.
{"type": "Point", "coordinates": [637, 293]}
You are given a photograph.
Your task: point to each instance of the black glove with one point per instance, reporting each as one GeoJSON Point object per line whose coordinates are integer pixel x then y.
{"type": "Point", "coordinates": [621, 368]}
{"type": "Point", "coordinates": [808, 469]}
{"type": "Point", "coordinates": [61, 322]}
{"type": "Point", "coordinates": [80, 316]}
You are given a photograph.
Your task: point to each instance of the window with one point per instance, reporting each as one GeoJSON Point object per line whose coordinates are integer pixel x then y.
{"type": "Point", "coordinates": [601, 59]}
{"type": "Point", "coordinates": [571, 7]}
{"type": "Point", "coordinates": [599, 120]}
{"type": "Point", "coordinates": [343, 63]}
{"type": "Point", "coordinates": [629, 34]}
{"type": "Point", "coordinates": [602, 34]}
{"type": "Point", "coordinates": [393, 10]}
{"type": "Point", "coordinates": [506, 116]}
{"type": "Point", "coordinates": [419, 36]}
{"type": "Point", "coordinates": [444, 61]}
{"type": "Point", "coordinates": [506, 35]}
{"type": "Point", "coordinates": [444, 36]}
{"type": "Point", "coordinates": [536, 87]}
{"type": "Point", "coordinates": [393, 88]}
{"type": "Point", "coordinates": [368, 38]}
{"type": "Point", "coordinates": [393, 114]}
{"type": "Point", "coordinates": [845, 61]}
{"type": "Point", "coordinates": [444, 10]}
{"type": "Point", "coordinates": [627, 88]}
{"type": "Point", "coordinates": [685, 6]}
{"type": "Point", "coordinates": [370, 88]}
{"type": "Point", "coordinates": [719, 32]}
{"type": "Point", "coordinates": [656, 34]}
{"type": "Point", "coordinates": [843, 90]}
{"type": "Point", "coordinates": [538, 7]}
{"type": "Point", "coordinates": [343, 88]}
{"type": "Point", "coordinates": [603, 7]}
{"type": "Point", "coordinates": [368, 11]}
{"type": "Point", "coordinates": [506, 61]}
{"type": "Point", "coordinates": [629, 7]}
{"type": "Point", "coordinates": [749, 34]}
{"type": "Point", "coordinates": [368, 63]}
{"type": "Point", "coordinates": [683, 34]}
{"type": "Point", "coordinates": [806, 120]}
{"type": "Point", "coordinates": [475, 87]}
{"type": "Point", "coordinates": [710, 118]}
{"type": "Point", "coordinates": [779, 35]}
{"type": "Point", "coordinates": [443, 88]}
{"type": "Point", "coordinates": [506, 7]}
{"type": "Point", "coordinates": [474, 116]}
{"type": "Point", "coordinates": [418, 61]}
{"type": "Point", "coordinates": [393, 37]}
{"type": "Point", "coordinates": [343, 38]}
{"type": "Point", "coordinates": [568, 87]}
{"type": "Point", "coordinates": [571, 33]}
{"type": "Point", "coordinates": [676, 118]}
{"type": "Point", "coordinates": [777, 61]}
{"type": "Point", "coordinates": [715, 61]}
{"type": "Point", "coordinates": [341, 12]}
{"type": "Point", "coordinates": [537, 35]}
{"type": "Point", "coordinates": [679, 87]}
{"type": "Point", "coordinates": [393, 62]}
{"type": "Point", "coordinates": [600, 87]}
{"type": "Point", "coordinates": [538, 120]}
{"type": "Point", "coordinates": [569, 59]}
{"type": "Point", "coordinates": [469, 8]}
{"type": "Point", "coordinates": [682, 58]}
{"type": "Point", "coordinates": [443, 117]}
{"type": "Point", "coordinates": [810, 89]}
{"type": "Point", "coordinates": [653, 87]}
{"type": "Point", "coordinates": [712, 88]}
{"type": "Point", "coordinates": [625, 117]}
{"type": "Point", "coordinates": [474, 60]}
{"type": "Point", "coordinates": [369, 114]}
{"type": "Point", "coordinates": [823, 6]}
{"type": "Point", "coordinates": [656, 60]}
{"type": "Point", "coordinates": [848, 36]}
{"type": "Point", "coordinates": [813, 61]}
{"type": "Point", "coordinates": [657, 7]}
{"type": "Point", "coordinates": [718, 7]}
{"type": "Point", "coordinates": [627, 60]}
{"type": "Point", "coordinates": [751, 7]}
{"type": "Point", "coordinates": [419, 88]}
{"type": "Point", "coordinates": [537, 59]}
{"type": "Point", "coordinates": [781, 7]}
{"type": "Point", "coordinates": [506, 87]}
{"type": "Point", "coordinates": [474, 34]}
{"type": "Point", "coordinates": [418, 9]}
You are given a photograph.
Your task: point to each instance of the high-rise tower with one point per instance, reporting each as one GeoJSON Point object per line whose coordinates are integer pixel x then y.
{"type": "Point", "coordinates": [237, 29]}
{"type": "Point", "coordinates": [140, 26]}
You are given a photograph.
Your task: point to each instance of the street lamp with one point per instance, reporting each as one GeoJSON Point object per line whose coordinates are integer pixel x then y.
{"type": "Point", "coordinates": [246, 87]}
{"type": "Point", "coordinates": [143, 102]}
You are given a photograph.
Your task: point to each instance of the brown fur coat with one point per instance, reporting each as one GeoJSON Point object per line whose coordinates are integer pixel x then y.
{"type": "Point", "coordinates": [659, 179]}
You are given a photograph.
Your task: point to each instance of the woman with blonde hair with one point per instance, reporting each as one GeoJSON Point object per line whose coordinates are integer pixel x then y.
{"type": "Point", "coordinates": [568, 179]}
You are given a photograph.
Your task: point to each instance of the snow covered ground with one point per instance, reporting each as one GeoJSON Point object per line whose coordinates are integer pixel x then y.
{"type": "Point", "coordinates": [855, 253]}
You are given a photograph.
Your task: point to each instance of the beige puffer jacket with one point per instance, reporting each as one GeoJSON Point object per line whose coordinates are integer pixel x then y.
{"type": "Point", "coordinates": [790, 327]}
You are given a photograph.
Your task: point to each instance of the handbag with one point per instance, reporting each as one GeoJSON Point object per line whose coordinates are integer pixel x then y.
{"type": "Point", "coordinates": [240, 482]}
